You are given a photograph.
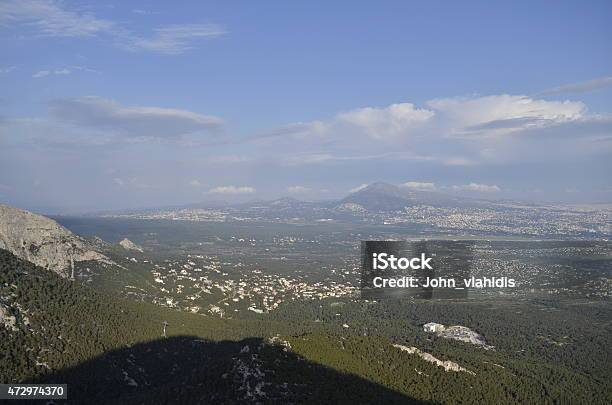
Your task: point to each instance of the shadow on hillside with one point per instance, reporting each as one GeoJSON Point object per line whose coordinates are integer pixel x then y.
{"type": "Point", "coordinates": [189, 370]}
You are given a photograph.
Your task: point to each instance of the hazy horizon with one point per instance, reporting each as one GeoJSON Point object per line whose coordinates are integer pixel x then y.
{"type": "Point", "coordinates": [217, 203]}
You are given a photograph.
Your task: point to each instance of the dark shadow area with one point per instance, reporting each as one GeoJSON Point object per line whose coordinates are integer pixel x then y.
{"type": "Point", "coordinates": [190, 370]}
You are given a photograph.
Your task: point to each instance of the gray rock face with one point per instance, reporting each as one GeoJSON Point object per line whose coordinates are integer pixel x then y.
{"type": "Point", "coordinates": [6, 320]}
{"type": "Point", "coordinates": [43, 241]}
{"type": "Point", "coordinates": [129, 245]}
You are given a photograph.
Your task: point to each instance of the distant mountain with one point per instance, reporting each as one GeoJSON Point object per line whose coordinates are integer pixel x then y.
{"type": "Point", "coordinates": [381, 196]}
{"type": "Point", "coordinates": [43, 241]}
{"type": "Point", "coordinates": [374, 198]}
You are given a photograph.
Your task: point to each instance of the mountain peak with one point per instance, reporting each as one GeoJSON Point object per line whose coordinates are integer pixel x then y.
{"type": "Point", "coordinates": [380, 186]}
{"type": "Point", "coordinates": [284, 201]}
{"type": "Point", "coordinates": [379, 196]}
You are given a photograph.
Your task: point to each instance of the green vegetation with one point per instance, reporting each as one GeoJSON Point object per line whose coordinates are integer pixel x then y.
{"type": "Point", "coordinates": [109, 348]}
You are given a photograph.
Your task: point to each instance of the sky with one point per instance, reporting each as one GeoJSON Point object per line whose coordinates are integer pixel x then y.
{"type": "Point", "coordinates": [113, 105]}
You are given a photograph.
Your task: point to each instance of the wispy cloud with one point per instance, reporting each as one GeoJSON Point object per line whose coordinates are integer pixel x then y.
{"type": "Point", "coordinates": [144, 12]}
{"type": "Point", "coordinates": [50, 18]}
{"type": "Point", "coordinates": [232, 190]}
{"type": "Point", "coordinates": [131, 121]}
{"type": "Point", "coordinates": [7, 69]}
{"type": "Point", "coordinates": [195, 183]}
{"type": "Point", "coordinates": [298, 189]}
{"type": "Point", "coordinates": [132, 182]}
{"type": "Point", "coordinates": [581, 87]}
{"type": "Point", "coordinates": [457, 161]}
{"type": "Point", "coordinates": [66, 70]}
{"type": "Point", "coordinates": [500, 115]}
{"type": "Point", "coordinates": [481, 188]}
{"type": "Point", "coordinates": [41, 73]}
{"type": "Point", "coordinates": [358, 188]}
{"type": "Point", "coordinates": [173, 39]}
{"type": "Point", "coordinates": [45, 73]}
{"type": "Point", "coordinates": [420, 186]}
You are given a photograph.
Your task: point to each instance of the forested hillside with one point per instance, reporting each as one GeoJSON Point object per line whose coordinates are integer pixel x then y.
{"type": "Point", "coordinates": [111, 350]}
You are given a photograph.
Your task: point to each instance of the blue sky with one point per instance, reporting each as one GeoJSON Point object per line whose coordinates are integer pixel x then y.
{"type": "Point", "coordinates": [128, 104]}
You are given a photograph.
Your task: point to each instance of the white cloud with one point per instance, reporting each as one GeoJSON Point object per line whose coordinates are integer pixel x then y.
{"type": "Point", "coordinates": [457, 161]}
{"type": "Point", "coordinates": [390, 121]}
{"type": "Point", "coordinates": [358, 188]}
{"type": "Point", "coordinates": [41, 73]}
{"type": "Point", "coordinates": [174, 39]}
{"type": "Point", "coordinates": [131, 121]}
{"type": "Point", "coordinates": [195, 183]}
{"type": "Point", "coordinates": [132, 182]}
{"type": "Point", "coordinates": [296, 130]}
{"type": "Point", "coordinates": [421, 186]}
{"type": "Point", "coordinates": [144, 12]}
{"type": "Point", "coordinates": [481, 188]}
{"type": "Point", "coordinates": [50, 18]}
{"type": "Point", "coordinates": [306, 159]}
{"type": "Point", "coordinates": [457, 132]}
{"type": "Point", "coordinates": [232, 190]}
{"type": "Point", "coordinates": [502, 114]}
{"type": "Point", "coordinates": [315, 158]}
{"type": "Point", "coordinates": [45, 73]}
{"type": "Point", "coordinates": [82, 68]}
{"type": "Point", "coordinates": [228, 159]}
{"type": "Point", "coordinates": [399, 155]}
{"type": "Point", "coordinates": [380, 123]}
{"type": "Point", "coordinates": [7, 69]}
{"type": "Point", "coordinates": [298, 189]}
{"type": "Point", "coordinates": [582, 87]}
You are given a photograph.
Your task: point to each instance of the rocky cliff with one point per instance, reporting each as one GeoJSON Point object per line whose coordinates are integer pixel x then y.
{"type": "Point", "coordinates": [43, 241]}
{"type": "Point", "coordinates": [129, 245]}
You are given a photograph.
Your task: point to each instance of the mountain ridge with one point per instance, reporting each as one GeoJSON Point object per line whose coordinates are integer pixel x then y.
{"type": "Point", "coordinates": [377, 196]}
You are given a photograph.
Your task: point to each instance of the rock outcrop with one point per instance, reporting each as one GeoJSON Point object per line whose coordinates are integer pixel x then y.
{"type": "Point", "coordinates": [457, 332]}
{"type": "Point", "coordinates": [129, 245]}
{"type": "Point", "coordinates": [6, 319]}
{"type": "Point", "coordinates": [447, 365]}
{"type": "Point", "coordinates": [43, 241]}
